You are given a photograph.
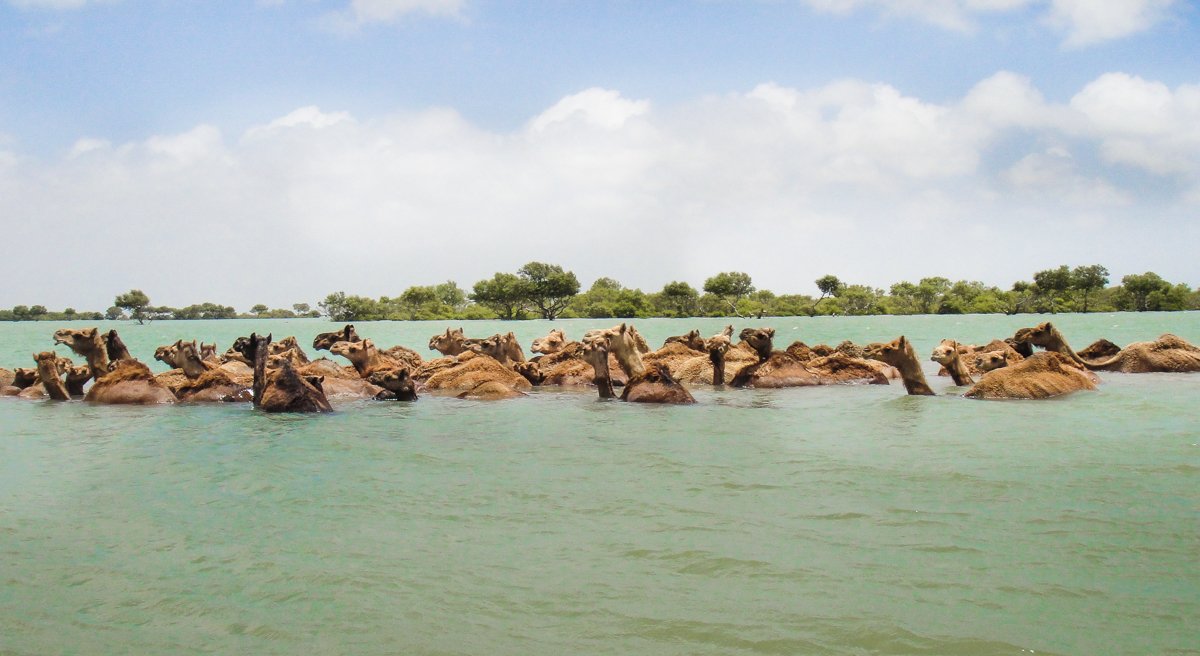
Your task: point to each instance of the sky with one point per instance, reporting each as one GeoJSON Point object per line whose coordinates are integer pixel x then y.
{"type": "Point", "coordinates": [280, 150]}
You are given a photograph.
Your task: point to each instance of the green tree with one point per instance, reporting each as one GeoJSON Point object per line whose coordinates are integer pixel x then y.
{"type": "Point", "coordinates": [505, 294]}
{"type": "Point", "coordinates": [135, 302]}
{"type": "Point", "coordinates": [1139, 288]}
{"type": "Point", "coordinates": [731, 287]}
{"type": "Point", "coordinates": [259, 310]}
{"type": "Point", "coordinates": [1088, 279]}
{"type": "Point", "coordinates": [679, 299]}
{"type": "Point", "coordinates": [548, 288]}
{"type": "Point", "coordinates": [1051, 286]}
{"type": "Point", "coordinates": [301, 308]}
{"type": "Point", "coordinates": [828, 285]}
{"type": "Point", "coordinates": [450, 295]}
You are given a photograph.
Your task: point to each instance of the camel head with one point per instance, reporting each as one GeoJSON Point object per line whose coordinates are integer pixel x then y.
{"type": "Point", "coordinates": [531, 371]}
{"type": "Point", "coordinates": [898, 352]}
{"type": "Point", "coordinates": [991, 360]}
{"type": "Point", "coordinates": [356, 352]}
{"type": "Point", "coordinates": [83, 341]}
{"type": "Point", "coordinates": [115, 347]}
{"type": "Point", "coordinates": [398, 381]}
{"type": "Point", "coordinates": [169, 355]}
{"type": "Point", "coordinates": [690, 339]}
{"type": "Point", "coordinates": [288, 344]}
{"type": "Point", "coordinates": [448, 343]}
{"type": "Point", "coordinates": [945, 352]}
{"type": "Point", "coordinates": [718, 343]}
{"type": "Point", "coordinates": [188, 357]}
{"type": "Point", "coordinates": [549, 344]}
{"type": "Point", "coordinates": [77, 376]}
{"type": "Point", "coordinates": [208, 351]}
{"type": "Point", "coordinates": [504, 348]}
{"type": "Point", "coordinates": [625, 343]}
{"type": "Point", "coordinates": [759, 339]}
{"type": "Point", "coordinates": [24, 376]}
{"type": "Point", "coordinates": [48, 364]}
{"type": "Point", "coordinates": [1044, 335]}
{"type": "Point", "coordinates": [324, 341]}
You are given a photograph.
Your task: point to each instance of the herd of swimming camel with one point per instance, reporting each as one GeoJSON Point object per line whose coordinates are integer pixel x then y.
{"type": "Point", "coordinates": [280, 377]}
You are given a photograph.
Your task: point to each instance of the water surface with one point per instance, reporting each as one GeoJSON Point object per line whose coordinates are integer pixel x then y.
{"type": "Point", "coordinates": [837, 520]}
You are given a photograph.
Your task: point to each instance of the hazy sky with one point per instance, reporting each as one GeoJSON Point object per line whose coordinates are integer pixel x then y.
{"type": "Point", "coordinates": [277, 151]}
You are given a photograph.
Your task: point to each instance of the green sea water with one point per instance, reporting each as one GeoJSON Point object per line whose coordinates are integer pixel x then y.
{"type": "Point", "coordinates": [834, 520]}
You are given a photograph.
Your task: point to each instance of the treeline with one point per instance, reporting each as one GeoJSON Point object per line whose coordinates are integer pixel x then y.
{"type": "Point", "coordinates": [547, 291]}
{"type": "Point", "coordinates": [539, 290]}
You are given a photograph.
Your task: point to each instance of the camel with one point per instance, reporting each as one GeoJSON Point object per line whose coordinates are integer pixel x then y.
{"type": "Point", "coordinates": [89, 343]}
{"type": "Point", "coordinates": [990, 360]}
{"type": "Point", "coordinates": [550, 344]}
{"type": "Point", "coordinates": [208, 352]}
{"type": "Point", "coordinates": [452, 342]}
{"type": "Point", "coordinates": [115, 347]}
{"type": "Point", "coordinates": [407, 357]}
{"type": "Point", "coordinates": [325, 341]}
{"type": "Point", "coordinates": [567, 367]}
{"type": "Point", "coordinates": [690, 339]}
{"type": "Point", "coordinates": [6, 377]}
{"type": "Point", "coordinates": [281, 389]}
{"type": "Point", "coordinates": [948, 355]}
{"type": "Point", "coordinates": [1168, 353]}
{"type": "Point", "coordinates": [1040, 376]}
{"type": "Point", "coordinates": [77, 377]}
{"type": "Point", "coordinates": [169, 355]}
{"type": "Point", "coordinates": [289, 344]}
{"type": "Point", "coordinates": [24, 377]}
{"type": "Point", "coordinates": [206, 381]}
{"type": "Point", "coordinates": [900, 354]}
{"type": "Point", "coordinates": [467, 370]}
{"type": "Point", "coordinates": [491, 390]}
{"type": "Point", "coordinates": [782, 369]}
{"type": "Point", "coordinates": [1101, 349]}
{"type": "Point", "coordinates": [128, 382]}
{"type": "Point", "coordinates": [646, 385]}
{"type": "Point", "coordinates": [397, 384]}
{"type": "Point", "coordinates": [504, 348]}
{"type": "Point", "coordinates": [365, 357]}
{"type": "Point", "coordinates": [48, 373]}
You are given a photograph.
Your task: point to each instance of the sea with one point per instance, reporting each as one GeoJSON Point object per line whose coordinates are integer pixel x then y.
{"type": "Point", "coordinates": [831, 520]}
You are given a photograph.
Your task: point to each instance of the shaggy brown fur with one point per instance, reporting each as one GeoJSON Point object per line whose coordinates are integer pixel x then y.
{"type": "Point", "coordinates": [471, 369]}
{"type": "Point", "coordinates": [6, 377]}
{"type": "Point", "coordinates": [656, 386]}
{"type": "Point", "coordinates": [1040, 376]}
{"type": "Point", "coordinates": [365, 357]}
{"type": "Point", "coordinates": [77, 377]}
{"type": "Point", "coordinates": [289, 343]}
{"type": "Point", "coordinates": [284, 390]}
{"type": "Point", "coordinates": [405, 356]}
{"type": "Point", "coordinates": [627, 344]}
{"type": "Point", "coordinates": [24, 377]}
{"type": "Point", "coordinates": [759, 339]}
{"type": "Point", "coordinates": [900, 354]}
{"type": "Point", "coordinates": [169, 355]}
{"type": "Point", "coordinates": [1101, 349]}
{"type": "Point", "coordinates": [216, 385]}
{"type": "Point", "coordinates": [129, 382]}
{"type": "Point", "coordinates": [491, 390]}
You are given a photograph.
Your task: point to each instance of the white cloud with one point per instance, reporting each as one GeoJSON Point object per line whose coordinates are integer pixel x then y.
{"type": "Point", "coordinates": [1084, 22]}
{"type": "Point", "coordinates": [784, 183]}
{"type": "Point", "coordinates": [1091, 21]}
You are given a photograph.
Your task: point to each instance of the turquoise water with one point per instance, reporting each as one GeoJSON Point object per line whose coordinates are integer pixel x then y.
{"type": "Point", "coordinates": [840, 520]}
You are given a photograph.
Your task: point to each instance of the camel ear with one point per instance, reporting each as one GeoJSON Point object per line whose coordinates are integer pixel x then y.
{"type": "Point", "coordinates": [89, 332]}
{"type": "Point", "coordinates": [903, 341]}
{"type": "Point", "coordinates": [770, 332]}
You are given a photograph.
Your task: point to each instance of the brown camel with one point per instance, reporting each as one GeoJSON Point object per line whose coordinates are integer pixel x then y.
{"type": "Point", "coordinates": [48, 373]}
{"type": "Point", "coordinates": [467, 370]}
{"type": "Point", "coordinates": [365, 357]}
{"type": "Point", "coordinates": [452, 342]}
{"type": "Point", "coordinates": [397, 384]}
{"type": "Point", "coordinates": [128, 382]}
{"type": "Point", "coordinates": [89, 343]}
{"type": "Point", "coordinates": [1168, 353]}
{"type": "Point", "coordinates": [325, 341]}
{"type": "Point", "coordinates": [282, 389]}
{"type": "Point", "coordinates": [782, 369]}
{"type": "Point", "coordinates": [690, 339]}
{"type": "Point", "coordinates": [289, 343]}
{"type": "Point", "coordinates": [985, 362]}
{"type": "Point", "coordinates": [77, 377]}
{"type": "Point", "coordinates": [115, 347]}
{"type": "Point", "coordinates": [504, 348]}
{"type": "Point", "coordinates": [948, 355]}
{"type": "Point", "coordinates": [491, 390]}
{"type": "Point", "coordinates": [550, 344]}
{"type": "Point", "coordinates": [646, 385]}
{"type": "Point", "coordinates": [1040, 376]}
{"type": "Point", "coordinates": [900, 354]}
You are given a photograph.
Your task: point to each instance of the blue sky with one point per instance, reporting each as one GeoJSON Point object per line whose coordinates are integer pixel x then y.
{"type": "Point", "coordinates": [399, 142]}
